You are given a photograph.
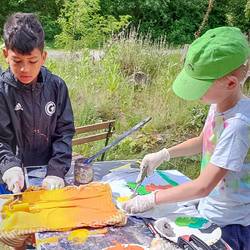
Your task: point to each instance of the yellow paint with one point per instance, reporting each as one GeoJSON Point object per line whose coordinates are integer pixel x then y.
{"type": "Point", "coordinates": [123, 198]}
{"type": "Point", "coordinates": [80, 235]}
{"type": "Point", "coordinates": [47, 240]}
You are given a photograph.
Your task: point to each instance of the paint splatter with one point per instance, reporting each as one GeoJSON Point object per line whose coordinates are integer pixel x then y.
{"type": "Point", "coordinates": [119, 246]}
{"type": "Point", "coordinates": [153, 187]}
{"type": "Point", "coordinates": [165, 177]}
{"type": "Point", "coordinates": [79, 235]}
{"type": "Point", "coordinates": [140, 190]}
{"type": "Point", "coordinates": [123, 198]}
{"type": "Point", "coordinates": [192, 222]}
{"type": "Point", "coordinates": [49, 240]}
{"type": "Point", "coordinates": [246, 179]}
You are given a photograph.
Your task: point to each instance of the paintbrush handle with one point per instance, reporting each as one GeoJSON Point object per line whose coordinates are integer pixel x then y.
{"type": "Point", "coordinates": [151, 227]}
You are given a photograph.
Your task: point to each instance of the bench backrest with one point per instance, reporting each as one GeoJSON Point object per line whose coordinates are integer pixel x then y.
{"type": "Point", "coordinates": [94, 132]}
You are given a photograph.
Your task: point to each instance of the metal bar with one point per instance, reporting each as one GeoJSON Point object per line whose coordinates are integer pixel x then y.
{"type": "Point", "coordinates": [107, 139]}
{"type": "Point", "coordinates": [118, 139]}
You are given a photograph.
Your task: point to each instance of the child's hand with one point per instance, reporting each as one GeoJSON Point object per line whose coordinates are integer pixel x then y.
{"type": "Point", "coordinates": [53, 182]}
{"type": "Point", "coordinates": [14, 179]}
{"type": "Point", "coordinates": [140, 203]}
{"type": "Point", "coordinates": [154, 160]}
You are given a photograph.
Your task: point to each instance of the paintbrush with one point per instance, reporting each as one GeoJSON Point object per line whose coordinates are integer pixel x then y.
{"type": "Point", "coordinates": [139, 180]}
{"type": "Point", "coordinates": [151, 227]}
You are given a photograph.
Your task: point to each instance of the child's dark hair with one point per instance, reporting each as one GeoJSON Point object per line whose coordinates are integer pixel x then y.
{"type": "Point", "coordinates": [23, 32]}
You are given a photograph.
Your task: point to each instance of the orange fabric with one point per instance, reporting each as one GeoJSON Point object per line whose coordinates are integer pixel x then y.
{"type": "Point", "coordinates": [71, 207]}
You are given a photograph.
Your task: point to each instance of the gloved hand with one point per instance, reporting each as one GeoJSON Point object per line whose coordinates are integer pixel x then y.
{"type": "Point", "coordinates": [140, 203]}
{"type": "Point", "coordinates": [53, 182]}
{"type": "Point", "coordinates": [154, 160]}
{"type": "Point", "coordinates": [14, 179]}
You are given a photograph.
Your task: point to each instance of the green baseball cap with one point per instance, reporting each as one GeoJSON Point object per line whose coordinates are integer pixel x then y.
{"type": "Point", "coordinates": [213, 55]}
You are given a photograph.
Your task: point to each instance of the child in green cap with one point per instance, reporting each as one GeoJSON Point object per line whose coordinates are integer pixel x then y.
{"type": "Point", "coordinates": [216, 66]}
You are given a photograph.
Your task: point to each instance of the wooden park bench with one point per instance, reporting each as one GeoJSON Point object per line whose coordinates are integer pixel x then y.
{"type": "Point", "coordinates": [94, 132]}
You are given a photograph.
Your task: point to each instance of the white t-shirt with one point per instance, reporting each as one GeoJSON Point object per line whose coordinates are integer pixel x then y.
{"type": "Point", "coordinates": [226, 143]}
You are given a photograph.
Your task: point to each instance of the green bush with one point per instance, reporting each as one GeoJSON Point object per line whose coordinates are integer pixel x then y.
{"type": "Point", "coordinates": [82, 25]}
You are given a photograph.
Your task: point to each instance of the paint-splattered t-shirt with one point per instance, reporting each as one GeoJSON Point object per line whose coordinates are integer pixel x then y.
{"type": "Point", "coordinates": [226, 143]}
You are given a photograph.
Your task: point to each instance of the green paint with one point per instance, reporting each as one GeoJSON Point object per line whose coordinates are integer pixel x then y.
{"type": "Point", "coordinates": [246, 179]}
{"type": "Point", "coordinates": [205, 160]}
{"type": "Point", "coordinates": [213, 138]}
{"type": "Point", "coordinates": [235, 185]}
{"type": "Point", "coordinates": [167, 178]}
{"type": "Point", "coordinates": [192, 222]}
{"type": "Point", "coordinates": [247, 159]}
{"type": "Point", "coordinates": [140, 190]}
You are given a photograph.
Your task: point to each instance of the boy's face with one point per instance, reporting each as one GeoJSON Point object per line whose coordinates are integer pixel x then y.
{"type": "Point", "coordinates": [25, 67]}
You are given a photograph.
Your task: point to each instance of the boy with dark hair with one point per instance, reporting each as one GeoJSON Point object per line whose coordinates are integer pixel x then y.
{"type": "Point", "coordinates": [216, 66]}
{"type": "Point", "coordinates": [36, 118]}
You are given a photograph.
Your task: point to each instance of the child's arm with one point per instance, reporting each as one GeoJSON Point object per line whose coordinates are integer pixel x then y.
{"type": "Point", "coordinates": [197, 188]}
{"type": "Point", "coordinates": [10, 164]}
{"type": "Point", "coordinates": [190, 147]}
{"type": "Point", "coordinates": [62, 137]}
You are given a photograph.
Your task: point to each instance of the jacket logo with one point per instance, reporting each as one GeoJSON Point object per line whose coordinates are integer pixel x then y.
{"type": "Point", "coordinates": [50, 108]}
{"type": "Point", "coordinates": [18, 107]}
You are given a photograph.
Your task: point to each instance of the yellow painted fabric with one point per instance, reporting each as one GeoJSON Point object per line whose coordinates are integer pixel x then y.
{"type": "Point", "coordinates": [71, 207]}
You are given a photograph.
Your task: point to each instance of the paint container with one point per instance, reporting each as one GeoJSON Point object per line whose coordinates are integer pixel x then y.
{"type": "Point", "coordinates": [83, 173]}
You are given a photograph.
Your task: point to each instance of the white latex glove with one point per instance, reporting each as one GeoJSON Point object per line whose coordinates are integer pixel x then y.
{"type": "Point", "coordinates": [14, 179]}
{"type": "Point", "coordinates": [139, 203]}
{"type": "Point", "coordinates": [154, 160]}
{"type": "Point", "coordinates": [53, 182]}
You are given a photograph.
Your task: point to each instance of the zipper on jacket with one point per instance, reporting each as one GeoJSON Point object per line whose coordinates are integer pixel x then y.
{"type": "Point", "coordinates": [33, 114]}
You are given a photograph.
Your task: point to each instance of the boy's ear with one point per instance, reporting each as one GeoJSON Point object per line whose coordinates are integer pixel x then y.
{"type": "Point", "coordinates": [44, 56]}
{"type": "Point", "coordinates": [232, 82]}
{"type": "Point", "coordinates": [5, 54]}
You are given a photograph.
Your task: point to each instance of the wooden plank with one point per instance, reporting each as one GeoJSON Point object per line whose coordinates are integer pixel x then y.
{"type": "Point", "coordinates": [91, 138]}
{"type": "Point", "coordinates": [93, 127]}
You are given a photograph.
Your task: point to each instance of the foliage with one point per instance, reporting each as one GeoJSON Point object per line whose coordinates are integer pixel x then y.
{"type": "Point", "coordinates": [237, 14]}
{"type": "Point", "coordinates": [176, 20]}
{"type": "Point", "coordinates": [199, 114]}
{"type": "Point", "coordinates": [83, 26]}
{"type": "Point", "coordinates": [47, 11]}
{"type": "Point", "coordinates": [247, 10]}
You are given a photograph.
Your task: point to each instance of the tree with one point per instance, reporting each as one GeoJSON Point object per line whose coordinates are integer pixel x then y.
{"type": "Point", "coordinates": [247, 10]}
{"type": "Point", "coordinates": [237, 11]}
{"type": "Point", "coordinates": [83, 26]}
{"type": "Point", "coordinates": [47, 11]}
{"type": "Point", "coordinates": [177, 20]}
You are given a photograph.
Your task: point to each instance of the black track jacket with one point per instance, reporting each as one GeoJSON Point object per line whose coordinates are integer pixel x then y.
{"type": "Point", "coordinates": [36, 123]}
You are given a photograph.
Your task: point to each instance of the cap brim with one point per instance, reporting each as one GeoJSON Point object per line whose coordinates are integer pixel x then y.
{"type": "Point", "coordinates": [190, 88]}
